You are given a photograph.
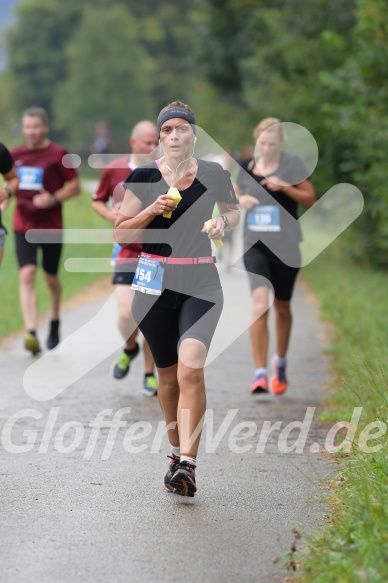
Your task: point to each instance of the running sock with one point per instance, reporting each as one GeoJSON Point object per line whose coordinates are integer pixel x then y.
{"type": "Point", "coordinates": [190, 460]}
{"type": "Point", "coordinates": [131, 352]}
{"type": "Point", "coordinates": [175, 450]}
{"type": "Point", "coordinates": [281, 362]}
{"type": "Point", "coordinates": [149, 374]}
{"type": "Point", "coordinates": [32, 332]}
{"type": "Point", "coordinates": [260, 371]}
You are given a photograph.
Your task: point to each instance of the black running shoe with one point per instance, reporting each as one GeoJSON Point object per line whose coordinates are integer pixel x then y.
{"type": "Point", "coordinates": [123, 364]}
{"type": "Point", "coordinates": [53, 337]}
{"type": "Point", "coordinates": [174, 465]}
{"type": "Point", "coordinates": [183, 481]}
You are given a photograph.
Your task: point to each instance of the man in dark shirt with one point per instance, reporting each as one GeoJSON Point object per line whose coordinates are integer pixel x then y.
{"type": "Point", "coordinates": [45, 183]}
{"type": "Point", "coordinates": [9, 188]}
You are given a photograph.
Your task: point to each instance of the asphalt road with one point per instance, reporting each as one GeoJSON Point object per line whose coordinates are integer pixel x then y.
{"type": "Point", "coordinates": [81, 504]}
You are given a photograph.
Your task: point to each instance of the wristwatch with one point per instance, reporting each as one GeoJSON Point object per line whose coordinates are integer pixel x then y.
{"type": "Point", "coordinates": [8, 191]}
{"type": "Point", "coordinates": [226, 220]}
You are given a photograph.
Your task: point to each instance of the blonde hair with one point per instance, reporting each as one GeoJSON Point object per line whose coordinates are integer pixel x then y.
{"type": "Point", "coordinates": [266, 123]}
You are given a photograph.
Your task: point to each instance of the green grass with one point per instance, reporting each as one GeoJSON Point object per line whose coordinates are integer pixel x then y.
{"type": "Point", "coordinates": [78, 213]}
{"type": "Point", "coordinates": [354, 545]}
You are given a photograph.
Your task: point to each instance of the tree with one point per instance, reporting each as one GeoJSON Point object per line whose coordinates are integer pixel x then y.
{"type": "Point", "coordinates": [107, 78]}
{"type": "Point", "coordinates": [35, 50]}
{"type": "Point", "coordinates": [169, 32]}
{"type": "Point", "coordinates": [267, 59]}
{"type": "Point", "coordinates": [364, 111]}
{"type": "Point", "coordinates": [38, 47]}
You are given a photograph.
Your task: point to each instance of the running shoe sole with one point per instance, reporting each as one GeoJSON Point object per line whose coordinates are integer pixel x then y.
{"type": "Point", "coordinates": [277, 387]}
{"type": "Point", "coordinates": [52, 342]}
{"type": "Point", "coordinates": [32, 344]}
{"type": "Point", "coordinates": [257, 389]}
{"type": "Point", "coordinates": [174, 466]}
{"type": "Point", "coordinates": [149, 392]}
{"type": "Point", "coordinates": [168, 487]}
{"type": "Point", "coordinates": [120, 373]}
{"type": "Point", "coordinates": [183, 484]}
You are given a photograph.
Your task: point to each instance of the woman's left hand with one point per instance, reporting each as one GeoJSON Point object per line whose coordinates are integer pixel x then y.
{"type": "Point", "coordinates": [216, 228]}
{"type": "Point", "coordinates": [276, 184]}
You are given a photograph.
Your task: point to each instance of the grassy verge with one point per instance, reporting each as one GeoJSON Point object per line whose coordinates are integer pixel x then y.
{"type": "Point", "coordinates": [354, 545]}
{"type": "Point", "coordinates": [78, 213]}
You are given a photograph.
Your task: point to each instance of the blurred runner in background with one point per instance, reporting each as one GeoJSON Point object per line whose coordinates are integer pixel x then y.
{"type": "Point", "coordinates": [106, 202]}
{"type": "Point", "coordinates": [9, 188]}
{"type": "Point", "coordinates": [45, 183]}
{"type": "Point", "coordinates": [279, 180]}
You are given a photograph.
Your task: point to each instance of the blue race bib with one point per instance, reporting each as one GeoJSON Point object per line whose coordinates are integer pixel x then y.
{"type": "Point", "coordinates": [31, 178]}
{"type": "Point", "coordinates": [148, 276]}
{"type": "Point", "coordinates": [115, 253]}
{"type": "Point", "coordinates": [264, 218]}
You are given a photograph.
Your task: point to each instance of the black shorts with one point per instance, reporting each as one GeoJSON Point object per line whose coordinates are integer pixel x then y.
{"type": "Point", "coordinates": [3, 234]}
{"type": "Point", "coordinates": [123, 276]}
{"type": "Point", "coordinates": [27, 253]}
{"type": "Point", "coordinates": [164, 328]}
{"type": "Point", "coordinates": [261, 261]}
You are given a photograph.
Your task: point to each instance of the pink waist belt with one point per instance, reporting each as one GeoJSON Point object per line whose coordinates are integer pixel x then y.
{"type": "Point", "coordinates": [181, 260]}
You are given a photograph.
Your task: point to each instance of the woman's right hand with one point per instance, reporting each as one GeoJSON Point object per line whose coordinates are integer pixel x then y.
{"type": "Point", "coordinates": [247, 201]}
{"type": "Point", "coordinates": [163, 204]}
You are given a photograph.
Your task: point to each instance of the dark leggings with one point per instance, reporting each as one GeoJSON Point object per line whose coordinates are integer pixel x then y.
{"type": "Point", "coordinates": [165, 328]}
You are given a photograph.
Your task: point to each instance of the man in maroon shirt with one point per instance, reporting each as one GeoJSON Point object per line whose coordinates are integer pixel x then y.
{"type": "Point", "coordinates": [45, 183]}
{"type": "Point", "coordinates": [106, 202]}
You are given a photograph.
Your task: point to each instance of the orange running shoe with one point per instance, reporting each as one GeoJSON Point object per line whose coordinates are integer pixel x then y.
{"type": "Point", "coordinates": [279, 379]}
{"type": "Point", "coordinates": [259, 384]}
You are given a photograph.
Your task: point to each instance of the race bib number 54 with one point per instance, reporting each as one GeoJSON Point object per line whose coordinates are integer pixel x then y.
{"type": "Point", "coordinates": [148, 276]}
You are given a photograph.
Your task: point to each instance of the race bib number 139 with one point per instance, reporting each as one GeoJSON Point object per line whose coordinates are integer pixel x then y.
{"type": "Point", "coordinates": [264, 219]}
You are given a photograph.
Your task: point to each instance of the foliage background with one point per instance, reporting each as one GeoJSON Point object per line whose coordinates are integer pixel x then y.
{"type": "Point", "coordinates": [322, 64]}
